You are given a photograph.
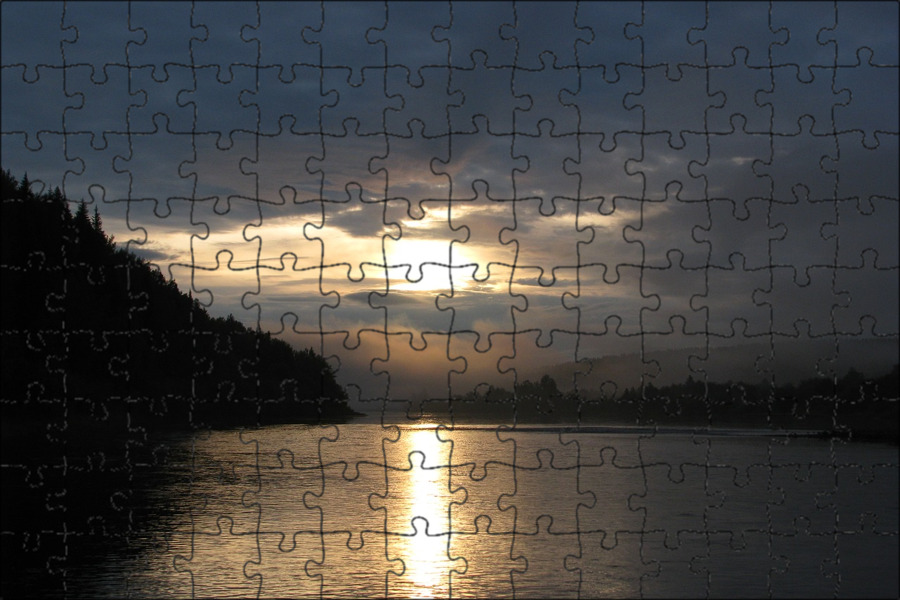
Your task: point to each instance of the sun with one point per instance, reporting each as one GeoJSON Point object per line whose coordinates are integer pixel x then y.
{"type": "Point", "coordinates": [431, 264]}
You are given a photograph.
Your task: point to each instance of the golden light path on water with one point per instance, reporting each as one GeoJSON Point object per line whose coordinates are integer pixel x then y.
{"type": "Point", "coordinates": [426, 556]}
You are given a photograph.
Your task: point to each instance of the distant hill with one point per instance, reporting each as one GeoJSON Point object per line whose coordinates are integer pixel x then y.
{"type": "Point", "coordinates": [852, 405]}
{"type": "Point", "coordinates": [91, 324]}
{"type": "Point", "coordinates": [795, 361]}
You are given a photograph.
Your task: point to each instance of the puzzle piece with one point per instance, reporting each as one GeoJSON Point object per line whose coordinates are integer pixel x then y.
{"type": "Point", "coordinates": [543, 565]}
{"type": "Point", "coordinates": [204, 565]}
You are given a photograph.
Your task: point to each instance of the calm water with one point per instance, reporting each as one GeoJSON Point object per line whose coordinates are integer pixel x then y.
{"type": "Point", "coordinates": [359, 510]}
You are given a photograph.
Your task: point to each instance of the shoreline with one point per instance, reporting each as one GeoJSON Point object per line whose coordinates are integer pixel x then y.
{"type": "Point", "coordinates": [733, 432]}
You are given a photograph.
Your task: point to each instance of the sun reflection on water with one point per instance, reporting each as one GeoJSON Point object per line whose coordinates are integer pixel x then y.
{"type": "Point", "coordinates": [424, 551]}
{"type": "Point", "coordinates": [216, 523]}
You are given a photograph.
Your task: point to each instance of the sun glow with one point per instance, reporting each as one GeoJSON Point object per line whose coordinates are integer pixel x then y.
{"type": "Point", "coordinates": [429, 265]}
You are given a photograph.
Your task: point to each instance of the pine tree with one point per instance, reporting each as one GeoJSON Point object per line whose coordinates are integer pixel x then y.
{"type": "Point", "coordinates": [96, 222]}
{"type": "Point", "coordinates": [25, 187]}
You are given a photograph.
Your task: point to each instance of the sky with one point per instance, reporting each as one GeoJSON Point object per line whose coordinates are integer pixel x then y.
{"type": "Point", "coordinates": [441, 195]}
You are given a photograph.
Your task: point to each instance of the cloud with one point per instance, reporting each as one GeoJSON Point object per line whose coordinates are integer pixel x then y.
{"type": "Point", "coordinates": [373, 140]}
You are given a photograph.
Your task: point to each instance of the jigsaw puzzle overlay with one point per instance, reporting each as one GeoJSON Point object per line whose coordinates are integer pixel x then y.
{"type": "Point", "coordinates": [450, 299]}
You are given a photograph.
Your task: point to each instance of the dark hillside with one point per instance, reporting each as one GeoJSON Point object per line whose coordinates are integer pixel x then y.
{"type": "Point", "coordinates": [97, 326]}
{"type": "Point", "coordinates": [106, 367]}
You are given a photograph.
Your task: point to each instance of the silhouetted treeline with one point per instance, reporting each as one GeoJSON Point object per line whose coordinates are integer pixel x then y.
{"type": "Point", "coordinates": [852, 404]}
{"type": "Point", "coordinates": [83, 319]}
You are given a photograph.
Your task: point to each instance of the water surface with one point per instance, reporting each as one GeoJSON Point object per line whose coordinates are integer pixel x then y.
{"type": "Point", "coordinates": [419, 510]}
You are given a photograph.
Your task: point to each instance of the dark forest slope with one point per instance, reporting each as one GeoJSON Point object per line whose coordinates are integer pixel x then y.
{"type": "Point", "coordinates": [87, 322]}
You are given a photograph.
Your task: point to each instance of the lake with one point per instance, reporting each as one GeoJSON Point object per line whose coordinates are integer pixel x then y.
{"type": "Point", "coordinates": [421, 510]}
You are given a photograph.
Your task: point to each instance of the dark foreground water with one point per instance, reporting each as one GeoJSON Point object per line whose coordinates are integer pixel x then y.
{"type": "Point", "coordinates": [359, 510]}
